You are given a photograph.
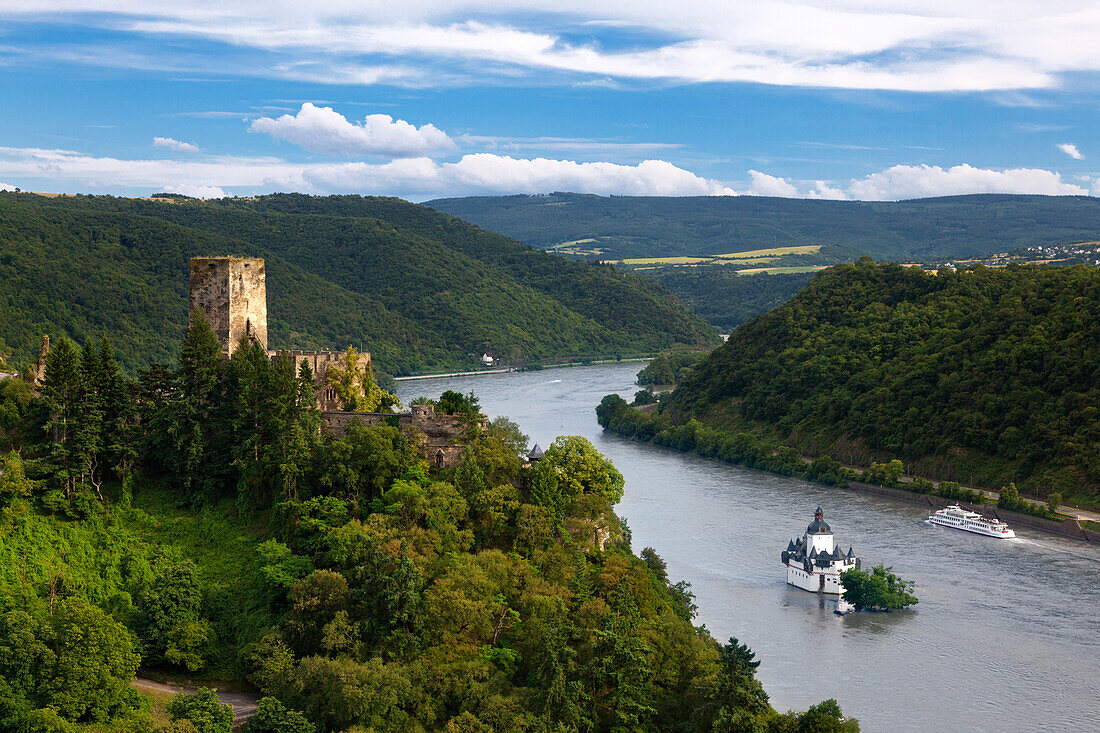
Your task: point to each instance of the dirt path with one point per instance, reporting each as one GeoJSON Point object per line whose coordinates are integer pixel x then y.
{"type": "Point", "coordinates": [243, 703]}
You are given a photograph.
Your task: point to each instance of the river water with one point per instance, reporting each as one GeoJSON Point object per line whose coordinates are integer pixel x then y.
{"type": "Point", "coordinates": [1006, 635]}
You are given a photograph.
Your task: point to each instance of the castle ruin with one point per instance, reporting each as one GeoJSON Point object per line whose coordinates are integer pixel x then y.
{"type": "Point", "coordinates": [232, 294]}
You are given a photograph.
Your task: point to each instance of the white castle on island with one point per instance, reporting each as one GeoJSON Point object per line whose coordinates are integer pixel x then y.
{"type": "Point", "coordinates": [814, 562]}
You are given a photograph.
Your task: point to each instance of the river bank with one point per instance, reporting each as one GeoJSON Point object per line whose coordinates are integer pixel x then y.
{"type": "Point", "coordinates": [988, 609]}
{"type": "Point", "coordinates": [1067, 528]}
{"type": "Point", "coordinates": [529, 368]}
{"type": "Point", "coordinates": [758, 452]}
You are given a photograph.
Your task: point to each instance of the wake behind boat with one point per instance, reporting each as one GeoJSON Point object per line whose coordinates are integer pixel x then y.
{"type": "Point", "coordinates": [959, 518]}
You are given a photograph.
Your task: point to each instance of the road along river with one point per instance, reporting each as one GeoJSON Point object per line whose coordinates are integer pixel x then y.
{"type": "Point", "coordinates": [1006, 635]}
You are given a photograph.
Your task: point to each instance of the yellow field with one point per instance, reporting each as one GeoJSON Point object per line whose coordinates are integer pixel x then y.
{"type": "Point", "coordinates": [780, 270]}
{"type": "Point", "coordinates": [666, 260]}
{"type": "Point", "coordinates": [773, 252]}
{"type": "Point", "coordinates": [741, 263]}
{"type": "Point", "coordinates": [756, 257]}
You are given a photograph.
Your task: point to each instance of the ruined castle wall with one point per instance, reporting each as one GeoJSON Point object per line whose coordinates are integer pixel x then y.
{"type": "Point", "coordinates": [232, 293]}
{"type": "Point", "coordinates": [319, 363]}
{"type": "Point", "coordinates": [442, 437]}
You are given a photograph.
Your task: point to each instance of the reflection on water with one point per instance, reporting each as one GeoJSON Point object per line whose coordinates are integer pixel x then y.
{"type": "Point", "coordinates": [1005, 635]}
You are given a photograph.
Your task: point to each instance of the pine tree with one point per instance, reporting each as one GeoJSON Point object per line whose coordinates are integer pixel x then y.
{"type": "Point", "coordinates": [61, 397]}
{"type": "Point", "coordinates": [118, 411]}
{"type": "Point", "coordinates": [196, 419]}
{"type": "Point", "coordinates": [251, 377]}
{"type": "Point", "coordinates": [89, 428]}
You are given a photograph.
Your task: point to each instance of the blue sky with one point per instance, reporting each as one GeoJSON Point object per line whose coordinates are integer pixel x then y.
{"type": "Point", "coordinates": [419, 99]}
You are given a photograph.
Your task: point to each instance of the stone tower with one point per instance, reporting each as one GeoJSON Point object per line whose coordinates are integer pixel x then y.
{"type": "Point", "coordinates": [232, 293]}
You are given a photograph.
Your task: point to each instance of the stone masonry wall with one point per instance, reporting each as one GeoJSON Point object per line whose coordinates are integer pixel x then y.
{"type": "Point", "coordinates": [232, 293]}
{"type": "Point", "coordinates": [442, 437]}
{"type": "Point", "coordinates": [319, 362]}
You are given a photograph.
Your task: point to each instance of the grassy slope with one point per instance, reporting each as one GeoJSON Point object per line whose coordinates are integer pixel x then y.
{"type": "Point", "coordinates": [106, 559]}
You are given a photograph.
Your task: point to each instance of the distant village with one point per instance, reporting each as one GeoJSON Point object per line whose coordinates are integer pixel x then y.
{"type": "Point", "coordinates": [1081, 253]}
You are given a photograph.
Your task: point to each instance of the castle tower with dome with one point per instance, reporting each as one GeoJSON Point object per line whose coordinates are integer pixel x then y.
{"type": "Point", "coordinates": [814, 561]}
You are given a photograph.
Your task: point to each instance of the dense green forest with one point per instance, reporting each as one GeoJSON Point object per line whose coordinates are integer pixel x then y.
{"type": "Point", "coordinates": [420, 290]}
{"type": "Point", "coordinates": [194, 521]}
{"type": "Point", "coordinates": [725, 298]}
{"type": "Point", "coordinates": [656, 226]}
{"type": "Point", "coordinates": [669, 368]}
{"type": "Point", "coordinates": [980, 376]}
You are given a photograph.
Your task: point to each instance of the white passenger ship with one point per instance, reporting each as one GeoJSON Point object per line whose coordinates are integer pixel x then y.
{"type": "Point", "coordinates": [814, 561]}
{"type": "Point", "coordinates": [959, 518]}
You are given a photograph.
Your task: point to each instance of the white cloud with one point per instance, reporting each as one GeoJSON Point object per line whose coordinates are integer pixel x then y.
{"type": "Point", "coordinates": [765, 185]}
{"type": "Point", "coordinates": [919, 181]}
{"type": "Point", "coordinates": [916, 45]}
{"type": "Point", "coordinates": [417, 178]}
{"type": "Point", "coordinates": [323, 130]}
{"type": "Point", "coordinates": [485, 173]}
{"type": "Point", "coordinates": [199, 192]}
{"type": "Point", "coordinates": [822, 190]}
{"type": "Point", "coordinates": [6, 186]}
{"type": "Point", "coordinates": [171, 144]}
{"type": "Point", "coordinates": [924, 181]}
{"type": "Point", "coordinates": [1071, 150]}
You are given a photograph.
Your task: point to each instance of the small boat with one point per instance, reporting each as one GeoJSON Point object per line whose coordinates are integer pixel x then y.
{"type": "Point", "coordinates": [959, 518]}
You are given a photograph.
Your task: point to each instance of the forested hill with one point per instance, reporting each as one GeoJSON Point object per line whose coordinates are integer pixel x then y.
{"type": "Point", "coordinates": [635, 227]}
{"type": "Point", "coordinates": [420, 289]}
{"type": "Point", "coordinates": [982, 376]}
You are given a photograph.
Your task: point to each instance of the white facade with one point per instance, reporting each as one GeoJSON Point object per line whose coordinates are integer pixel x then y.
{"type": "Point", "coordinates": [814, 562]}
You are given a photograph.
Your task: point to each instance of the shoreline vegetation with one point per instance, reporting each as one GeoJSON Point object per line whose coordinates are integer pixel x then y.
{"type": "Point", "coordinates": [196, 523]}
{"type": "Point", "coordinates": [640, 422]}
{"type": "Point", "coordinates": [977, 376]}
{"type": "Point", "coordinates": [531, 367]}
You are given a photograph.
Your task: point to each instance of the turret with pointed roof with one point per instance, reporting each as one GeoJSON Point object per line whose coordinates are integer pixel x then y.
{"type": "Point", "coordinates": [814, 561]}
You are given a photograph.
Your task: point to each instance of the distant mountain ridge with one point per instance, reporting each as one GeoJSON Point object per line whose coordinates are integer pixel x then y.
{"type": "Point", "coordinates": [420, 289]}
{"type": "Point", "coordinates": [635, 226]}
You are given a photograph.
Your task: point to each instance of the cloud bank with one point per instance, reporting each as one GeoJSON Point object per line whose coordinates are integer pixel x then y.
{"type": "Point", "coordinates": [918, 45]}
{"type": "Point", "coordinates": [921, 181]}
{"type": "Point", "coordinates": [323, 130]}
{"type": "Point", "coordinates": [486, 174]}
{"type": "Point", "coordinates": [415, 178]}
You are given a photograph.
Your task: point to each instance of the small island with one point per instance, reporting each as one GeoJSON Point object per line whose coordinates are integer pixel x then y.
{"type": "Point", "coordinates": [878, 590]}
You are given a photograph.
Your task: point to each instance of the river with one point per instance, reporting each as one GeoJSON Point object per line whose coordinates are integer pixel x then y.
{"type": "Point", "coordinates": [1006, 635]}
